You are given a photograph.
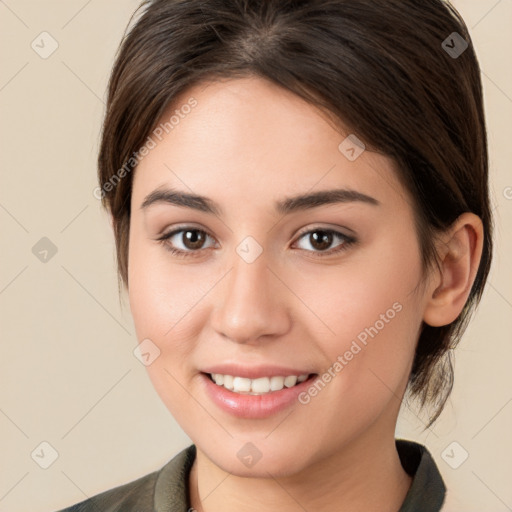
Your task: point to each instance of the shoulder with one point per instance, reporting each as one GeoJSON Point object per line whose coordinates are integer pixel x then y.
{"type": "Point", "coordinates": [166, 485]}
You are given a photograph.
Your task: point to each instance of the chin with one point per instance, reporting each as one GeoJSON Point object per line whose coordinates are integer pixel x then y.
{"type": "Point", "coordinates": [256, 459]}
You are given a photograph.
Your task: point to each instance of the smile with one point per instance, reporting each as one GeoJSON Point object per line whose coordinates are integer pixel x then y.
{"type": "Point", "coordinates": [260, 386]}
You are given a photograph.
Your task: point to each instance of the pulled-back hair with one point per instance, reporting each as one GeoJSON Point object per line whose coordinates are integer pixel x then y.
{"type": "Point", "coordinates": [383, 69]}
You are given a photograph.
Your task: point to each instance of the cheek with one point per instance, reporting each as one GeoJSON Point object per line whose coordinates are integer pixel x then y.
{"type": "Point", "coordinates": [350, 297]}
{"type": "Point", "coordinates": [161, 295]}
{"type": "Point", "coordinates": [162, 302]}
{"type": "Point", "coordinates": [367, 321]}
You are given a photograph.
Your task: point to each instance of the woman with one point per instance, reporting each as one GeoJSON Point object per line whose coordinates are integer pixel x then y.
{"type": "Point", "coordinates": [299, 196]}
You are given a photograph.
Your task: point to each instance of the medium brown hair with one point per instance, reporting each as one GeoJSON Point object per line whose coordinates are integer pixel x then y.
{"type": "Point", "coordinates": [381, 68]}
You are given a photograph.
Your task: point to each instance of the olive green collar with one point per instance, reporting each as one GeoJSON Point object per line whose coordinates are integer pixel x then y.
{"type": "Point", "coordinates": [426, 494]}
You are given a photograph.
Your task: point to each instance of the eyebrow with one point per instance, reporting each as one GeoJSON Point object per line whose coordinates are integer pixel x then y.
{"type": "Point", "coordinates": [285, 206]}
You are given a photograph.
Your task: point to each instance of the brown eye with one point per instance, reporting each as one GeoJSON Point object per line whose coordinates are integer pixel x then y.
{"type": "Point", "coordinates": [321, 240]}
{"type": "Point", "coordinates": [193, 239]}
{"type": "Point", "coordinates": [184, 240]}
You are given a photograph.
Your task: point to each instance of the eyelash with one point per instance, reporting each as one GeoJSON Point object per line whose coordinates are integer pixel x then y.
{"type": "Point", "coordinates": [347, 242]}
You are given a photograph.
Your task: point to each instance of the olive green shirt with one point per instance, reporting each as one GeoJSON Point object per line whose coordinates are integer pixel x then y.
{"type": "Point", "coordinates": [166, 490]}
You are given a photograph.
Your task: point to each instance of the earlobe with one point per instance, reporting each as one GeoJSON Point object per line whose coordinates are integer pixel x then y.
{"type": "Point", "coordinates": [459, 254]}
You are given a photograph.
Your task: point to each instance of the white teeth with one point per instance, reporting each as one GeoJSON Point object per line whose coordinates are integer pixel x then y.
{"type": "Point", "coordinates": [228, 380]}
{"type": "Point", "coordinates": [276, 383]}
{"type": "Point", "coordinates": [241, 384]}
{"type": "Point", "coordinates": [258, 386]}
{"type": "Point", "coordinates": [261, 385]}
{"type": "Point", "coordinates": [290, 381]}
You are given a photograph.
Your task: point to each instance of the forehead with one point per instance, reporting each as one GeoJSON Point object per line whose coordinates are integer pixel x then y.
{"type": "Point", "coordinates": [251, 137]}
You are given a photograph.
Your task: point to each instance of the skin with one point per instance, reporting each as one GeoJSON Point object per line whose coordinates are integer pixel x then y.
{"type": "Point", "coordinates": [246, 144]}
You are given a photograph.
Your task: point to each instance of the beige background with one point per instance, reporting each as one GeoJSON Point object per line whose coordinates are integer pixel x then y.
{"type": "Point", "coordinates": [68, 374]}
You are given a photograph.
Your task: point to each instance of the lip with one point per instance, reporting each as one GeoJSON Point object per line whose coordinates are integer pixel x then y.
{"type": "Point", "coordinates": [253, 406]}
{"type": "Point", "coordinates": [255, 372]}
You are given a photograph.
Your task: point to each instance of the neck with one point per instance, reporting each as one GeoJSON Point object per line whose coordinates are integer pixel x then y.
{"type": "Point", "coordinates": [366, 475]}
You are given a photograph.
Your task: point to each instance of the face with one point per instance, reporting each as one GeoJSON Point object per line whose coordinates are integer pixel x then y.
{"type": "Point", "coordinates": [324, 289]}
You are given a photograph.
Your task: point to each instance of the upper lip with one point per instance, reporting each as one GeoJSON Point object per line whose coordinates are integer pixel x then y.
{"type": "Point", "coordinates": [255, 371]}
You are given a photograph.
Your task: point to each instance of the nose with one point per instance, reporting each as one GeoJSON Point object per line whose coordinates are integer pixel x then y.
{"type": "Point", "coordinates": [251, 302]}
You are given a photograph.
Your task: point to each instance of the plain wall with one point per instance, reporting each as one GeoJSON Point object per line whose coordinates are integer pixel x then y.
{"type": "Point", "coordinates": [68, 374]}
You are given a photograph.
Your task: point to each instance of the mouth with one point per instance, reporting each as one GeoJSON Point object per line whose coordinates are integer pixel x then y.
{"type": "Point", "coordinates": [259, 386]}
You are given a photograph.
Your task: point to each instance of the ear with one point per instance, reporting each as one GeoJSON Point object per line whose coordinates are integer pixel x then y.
{"type": "Point", "coordinates": [459, 252]}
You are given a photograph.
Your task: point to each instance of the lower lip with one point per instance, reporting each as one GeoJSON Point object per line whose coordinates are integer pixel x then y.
{"type": "Point", "coordinates": [253, 406]}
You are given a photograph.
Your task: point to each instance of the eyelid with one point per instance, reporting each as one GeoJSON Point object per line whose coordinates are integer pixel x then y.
{"type": "Point", "coordinates": [348, 240]}
{"type": "Point", "coordinates": [320, 227]}
{"type": "Point", "coordinates": [185, 227]}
